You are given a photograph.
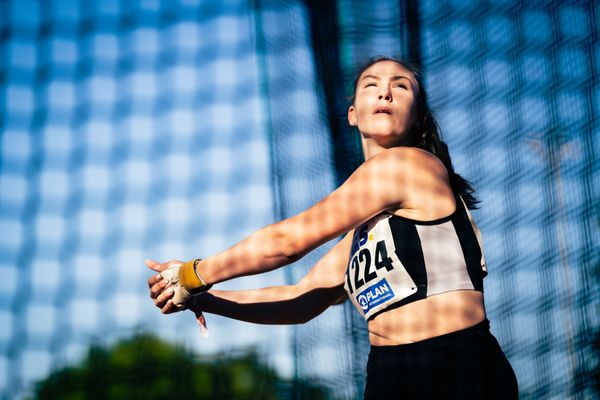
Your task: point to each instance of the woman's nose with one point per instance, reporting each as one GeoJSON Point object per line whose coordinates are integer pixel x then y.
{"type": "Point", "coordinates": [385, 95]}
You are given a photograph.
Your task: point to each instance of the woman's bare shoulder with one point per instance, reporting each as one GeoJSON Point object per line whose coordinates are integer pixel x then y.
{"type": "Point", "coordinates": [428, 194]}
{"type": "Point", "coordinates": [411, 158]}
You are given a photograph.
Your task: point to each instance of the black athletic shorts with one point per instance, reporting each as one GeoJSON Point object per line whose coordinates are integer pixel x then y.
{"type": "Point", "coordinates": [468, 364]}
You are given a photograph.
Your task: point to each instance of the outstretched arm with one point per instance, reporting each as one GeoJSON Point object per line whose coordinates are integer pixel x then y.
{"type": "Point", "coordinates": [291, 304]}
{"type": "Point", "coordinates": [386, 181]}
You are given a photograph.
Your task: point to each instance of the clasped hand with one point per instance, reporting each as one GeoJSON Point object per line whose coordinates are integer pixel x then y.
{"type": "Point", "coordinates": [161, 290]}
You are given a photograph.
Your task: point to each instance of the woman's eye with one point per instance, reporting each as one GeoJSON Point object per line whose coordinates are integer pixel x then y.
{"type": "Point", "coordinates": [370, 84]}
{"type": "Point", "coordinates": [402, 85]}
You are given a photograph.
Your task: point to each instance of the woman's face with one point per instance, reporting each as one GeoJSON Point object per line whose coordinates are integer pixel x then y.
{"type": "Point", "coordinates": [385, 103]}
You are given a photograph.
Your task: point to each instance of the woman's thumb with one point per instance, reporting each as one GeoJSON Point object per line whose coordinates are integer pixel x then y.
{"type": "Point", "coordinates": [153, 265]}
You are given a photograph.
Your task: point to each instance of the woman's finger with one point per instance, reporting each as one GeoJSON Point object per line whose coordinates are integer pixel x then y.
{"type": "Point", "coordinates": [157, 288]}
{"type": "Point", "coordinates": [154, 279]}
{"type": "Point", "coordinates": [153, 265]}
{"type": "Point", "coordinates": [168, 308]}
{"type": "Point", "coordinates": [160, 302]}
{"type": "Point", "coordinates": [162, 298]}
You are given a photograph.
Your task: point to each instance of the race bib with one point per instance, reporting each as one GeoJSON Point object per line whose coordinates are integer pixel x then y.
{"type": "Point", "coordinates": [375, 277]}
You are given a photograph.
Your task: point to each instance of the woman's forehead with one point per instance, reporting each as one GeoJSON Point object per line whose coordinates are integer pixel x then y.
{"type": "Point", "coordinates": [387, 68]}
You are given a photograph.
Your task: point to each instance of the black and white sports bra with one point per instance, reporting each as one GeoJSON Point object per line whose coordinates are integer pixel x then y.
{"type": "Point", "coordinates": [396, 260]}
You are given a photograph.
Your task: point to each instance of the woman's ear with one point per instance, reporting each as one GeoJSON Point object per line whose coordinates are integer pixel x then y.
{"type": "Point", "coordinates": [352, 116]}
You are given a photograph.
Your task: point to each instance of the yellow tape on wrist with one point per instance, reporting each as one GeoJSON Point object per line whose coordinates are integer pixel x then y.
{"type": "Point", "coordinates": [190, 279]}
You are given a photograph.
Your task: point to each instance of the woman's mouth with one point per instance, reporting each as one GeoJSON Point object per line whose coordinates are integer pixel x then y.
{"type": "Point", "coordinates": [383, 110]}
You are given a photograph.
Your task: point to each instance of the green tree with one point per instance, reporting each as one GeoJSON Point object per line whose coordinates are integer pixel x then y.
{"type": "Point", "coordinates": [146, 367]}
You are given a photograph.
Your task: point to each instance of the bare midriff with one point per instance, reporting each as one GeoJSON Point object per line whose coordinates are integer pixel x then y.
{"type": "Point", "coordinates": [434, 316]}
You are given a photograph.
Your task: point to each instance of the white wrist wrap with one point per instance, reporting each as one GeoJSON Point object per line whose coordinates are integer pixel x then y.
{"type": "Point", "coordinates": [181, 294]}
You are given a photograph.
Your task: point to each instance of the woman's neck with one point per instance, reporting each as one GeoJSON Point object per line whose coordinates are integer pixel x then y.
{"type": "Point", "coordinates": [372, 148]}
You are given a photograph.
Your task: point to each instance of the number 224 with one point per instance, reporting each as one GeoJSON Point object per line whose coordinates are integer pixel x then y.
{"type": "Point", "coordinates": [364, 256]}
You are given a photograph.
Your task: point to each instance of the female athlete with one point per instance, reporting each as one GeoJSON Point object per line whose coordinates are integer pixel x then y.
{"type": "Point", "coordinates": [411, 259]}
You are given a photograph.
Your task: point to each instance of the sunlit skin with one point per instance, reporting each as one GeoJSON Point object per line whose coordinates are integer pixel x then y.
{"type": "Point", "coordinates": [384, 108]}
{"type": "Point", "coordinates": [401, 180]}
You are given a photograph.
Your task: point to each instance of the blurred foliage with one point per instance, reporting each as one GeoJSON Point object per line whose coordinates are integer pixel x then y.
{"type": "Point", "coordinates": [146, 367]}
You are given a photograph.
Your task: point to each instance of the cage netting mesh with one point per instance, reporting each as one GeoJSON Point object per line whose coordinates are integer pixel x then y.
{"type": "Point", "coordinates": [153, 129]}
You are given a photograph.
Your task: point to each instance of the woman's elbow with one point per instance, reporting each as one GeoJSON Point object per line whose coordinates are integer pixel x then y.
{"type": "Point", "coordinates": [288, 245]}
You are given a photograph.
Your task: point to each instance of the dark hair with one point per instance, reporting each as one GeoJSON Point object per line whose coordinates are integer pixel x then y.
{"type": "Point", "coordinates": [425, 133]}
